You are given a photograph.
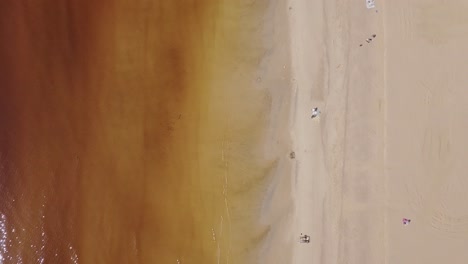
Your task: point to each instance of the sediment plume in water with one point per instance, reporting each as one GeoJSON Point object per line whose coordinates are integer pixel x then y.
{"type": "Point", "coordinates": [129, 129]}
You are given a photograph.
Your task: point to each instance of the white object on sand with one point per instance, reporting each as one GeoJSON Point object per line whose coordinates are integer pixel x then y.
{"type": "Point", "coordinates": [370, 4]}
{"type": "Point", "coordinates": [315, 112]}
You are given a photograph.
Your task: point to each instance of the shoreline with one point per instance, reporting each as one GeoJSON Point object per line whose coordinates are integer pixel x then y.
{"type": "Point", "coordinates": [276, 212]}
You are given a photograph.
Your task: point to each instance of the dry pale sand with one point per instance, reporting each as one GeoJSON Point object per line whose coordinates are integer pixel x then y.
{"type": "Point", "coordinates": [390, 142]}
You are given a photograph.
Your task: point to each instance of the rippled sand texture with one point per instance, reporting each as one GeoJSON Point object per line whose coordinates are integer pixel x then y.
{"type": "Point", "coordinates": [129, 130]}
{"type": "Point", "coordinates": [427, 117]}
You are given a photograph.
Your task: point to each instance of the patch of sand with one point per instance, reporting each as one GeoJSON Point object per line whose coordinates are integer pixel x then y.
{"type": "Point", "coordinates": [390, 142]}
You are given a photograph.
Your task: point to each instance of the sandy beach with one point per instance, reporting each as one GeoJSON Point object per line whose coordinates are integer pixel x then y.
{"type": "Point", "coordinates": [389, 143]}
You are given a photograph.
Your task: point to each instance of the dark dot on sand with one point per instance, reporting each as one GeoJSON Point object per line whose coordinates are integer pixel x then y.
{"type": "Point", "coordinates": [292, 155]}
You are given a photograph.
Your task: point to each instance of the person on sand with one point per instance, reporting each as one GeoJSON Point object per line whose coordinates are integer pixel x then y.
{"type": "Point", "coordinates": [315, 112]}
{"type": "Point", "coordinates": [406, 221]}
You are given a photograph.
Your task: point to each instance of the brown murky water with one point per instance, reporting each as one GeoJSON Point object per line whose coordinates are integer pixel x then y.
{"type": "Point", "coordinates": [128, 131]}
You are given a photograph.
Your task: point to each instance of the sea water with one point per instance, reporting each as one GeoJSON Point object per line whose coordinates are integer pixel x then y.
{"type": "Point", "coordinates": [130, 131]}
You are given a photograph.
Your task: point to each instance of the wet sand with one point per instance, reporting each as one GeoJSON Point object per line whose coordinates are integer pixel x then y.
{"type": "Point", "coordinates": [140, 132]}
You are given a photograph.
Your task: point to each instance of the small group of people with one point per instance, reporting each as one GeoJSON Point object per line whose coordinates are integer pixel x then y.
{"type": "Point", "coordinates": [304, 238]}
{"type": "Point", "coordinates": [406, 221]}
{"type": "Point", "coordinates": [369, 40]}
